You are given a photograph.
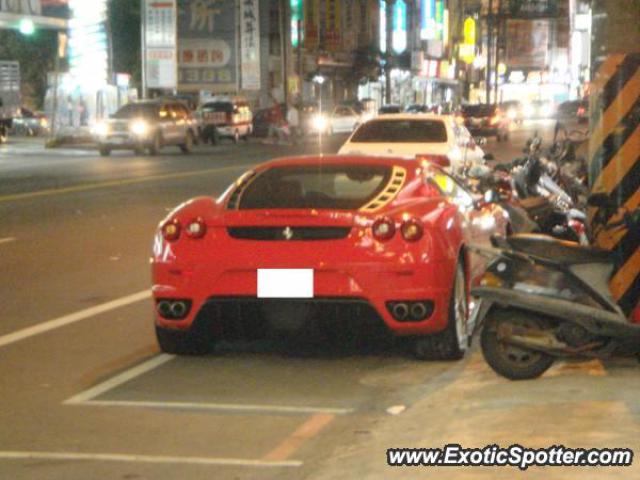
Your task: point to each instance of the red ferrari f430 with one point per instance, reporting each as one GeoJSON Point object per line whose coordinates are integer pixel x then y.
{"type": "Point", "coordinates": [323, 240]}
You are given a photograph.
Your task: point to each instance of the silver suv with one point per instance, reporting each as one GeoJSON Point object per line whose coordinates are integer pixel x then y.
{"type": "Point", "coordinates": [148, 125]}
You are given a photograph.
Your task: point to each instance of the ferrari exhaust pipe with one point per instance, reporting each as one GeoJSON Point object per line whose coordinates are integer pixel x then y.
{"type": "Point", "coordinates": [178, 309]}
{"type": "Point", "coordinates": [400, 311]}
{"type": "Point", "coordinates": [164, 308]}
{"type": "Point", "coordinates": [418, 311]}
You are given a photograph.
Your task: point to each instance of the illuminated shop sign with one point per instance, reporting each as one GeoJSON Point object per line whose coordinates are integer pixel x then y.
{"type": "Point", "coordinates": [399, 26]}
{"type": "Point", "coordinates": [88, 53]}
{"type": "Point", "coordinates": [428, 19]}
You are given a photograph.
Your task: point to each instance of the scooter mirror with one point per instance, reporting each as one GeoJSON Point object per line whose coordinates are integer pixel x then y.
{"type": "Point", "coordinates": [491, 196]}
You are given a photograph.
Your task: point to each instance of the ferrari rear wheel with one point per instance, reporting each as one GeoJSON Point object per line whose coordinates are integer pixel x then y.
{"type": "Point", "coordinates": [179, 342]}
{"type": "Point", "coordinates": [452, 342]}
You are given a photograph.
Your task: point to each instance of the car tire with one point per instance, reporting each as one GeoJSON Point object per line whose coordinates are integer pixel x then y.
{"type": "Point", "coordinates": [156, 145]}
{"type": "Point", "coordinates": [451, 343]}
{"type": "Point", "coordinates": [187, 146]}
{"type": "Point", "coordinates": [509, 361]}
{"type": "Point", "coordinates": [179, 342]}
{"type": "Point", "coordinates": [104, 151]}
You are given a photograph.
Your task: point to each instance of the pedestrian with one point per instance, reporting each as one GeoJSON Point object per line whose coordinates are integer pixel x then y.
{"type": "Point", "coordinates": [293, 120]}
{"type": "Point", "coordinates": [276, 122]}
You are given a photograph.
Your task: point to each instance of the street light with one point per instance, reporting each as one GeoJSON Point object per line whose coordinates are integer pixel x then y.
{"type": "Point", "coordinates": [26, 26]}
{"type": "Point", "coordinates": [319, 80]}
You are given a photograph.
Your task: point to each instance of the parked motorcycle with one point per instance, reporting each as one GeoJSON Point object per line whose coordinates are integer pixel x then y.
{"type": "Point", "coordinates": [528, 183]}
{"type": "Point", "coordinates": [544, 299]}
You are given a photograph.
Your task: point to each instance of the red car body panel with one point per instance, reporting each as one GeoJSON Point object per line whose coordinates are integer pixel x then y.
{"type": "Point", "coordinates": [358, 266]}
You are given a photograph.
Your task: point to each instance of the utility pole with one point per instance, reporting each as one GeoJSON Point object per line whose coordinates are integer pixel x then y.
{"type": "Point", "coordinates": [143, 47]}
{"type": "Point", "coordinates": [489, 52]}
{"type": "Point", "coordinates": [389, 48]}
{"type": "Point", "coordinates": [499, 37]}
{"type": "Point", "coordinates": [283, 16]}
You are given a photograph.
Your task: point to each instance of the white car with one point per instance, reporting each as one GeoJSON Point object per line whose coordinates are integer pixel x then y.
{"type": "Point", "coordinates": [435, 137]}
{"type": "Point", "coordinates": [342, 119]}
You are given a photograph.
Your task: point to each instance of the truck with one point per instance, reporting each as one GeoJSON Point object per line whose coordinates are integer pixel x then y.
{"type": "Point", "coordinates": [9, 96]}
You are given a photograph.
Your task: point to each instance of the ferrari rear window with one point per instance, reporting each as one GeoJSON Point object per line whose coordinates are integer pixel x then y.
{"type": "Point", "coordinates": [339, 187]}
{"type": "Point", "coordinates": [401, 131]}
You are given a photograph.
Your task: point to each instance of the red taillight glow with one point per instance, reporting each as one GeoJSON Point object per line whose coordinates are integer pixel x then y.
{"type": "Point", "coordinates": [171, 230]}
{"type": "Point", "coordinates": [196, 228]}
{"type": "Point", "coordinates": [412, 230]}
{"type": "Point", "coordinates": [383, 229]}
{"type": "Point", "coordinates": [439, 160]}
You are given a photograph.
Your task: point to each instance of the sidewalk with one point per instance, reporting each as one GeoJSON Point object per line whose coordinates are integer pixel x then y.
{"type": "Point", "coordinates": [575, 405]}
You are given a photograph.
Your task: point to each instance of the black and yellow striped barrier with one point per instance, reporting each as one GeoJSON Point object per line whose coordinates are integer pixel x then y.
{"type": "Point", "coordinates": [614, 165]}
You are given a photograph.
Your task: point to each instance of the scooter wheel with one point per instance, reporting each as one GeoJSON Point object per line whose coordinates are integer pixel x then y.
{"type": "Point", "coordinates": [510, 361]}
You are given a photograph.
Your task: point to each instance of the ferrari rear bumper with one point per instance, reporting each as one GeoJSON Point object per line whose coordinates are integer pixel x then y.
{"type": "Point", "coordinates": [343, 294]}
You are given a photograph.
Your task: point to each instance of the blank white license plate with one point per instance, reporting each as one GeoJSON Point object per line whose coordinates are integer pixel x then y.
{"type": "Point", "coordinates": [285, 283]}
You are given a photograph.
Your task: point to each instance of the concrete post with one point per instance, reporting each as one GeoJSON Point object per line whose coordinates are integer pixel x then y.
{"type": "Point", "coordinates": [614, 137]}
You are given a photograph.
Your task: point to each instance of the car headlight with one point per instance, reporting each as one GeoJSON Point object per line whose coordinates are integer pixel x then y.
{"type": "Point", "coordinates": [101, 129]}
{"type": "Point", "coordinates": [139, 128]}
{"type": "Point", "coordinates": [319, 122]}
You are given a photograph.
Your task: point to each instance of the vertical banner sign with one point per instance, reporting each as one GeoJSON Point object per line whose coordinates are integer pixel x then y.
{"type": "Point", "coordinates": [428, 19]}
{"type": "Point", "coordinates": [399, 40]}
{"type": "Point", "coordinates": [311, 21]}
{"type": "Point", "coordinates": [333, 29]}
{"type": "Point", "coordinates": [439, 19]}
{"type": "Point", "coordinates": [296, 19]}
{"type": "Point", "coordinates": [160, 43]}
{"type": "Point", "coordinates": [250, 44]}
{"type": "Point", "coordinates": [350, 27]}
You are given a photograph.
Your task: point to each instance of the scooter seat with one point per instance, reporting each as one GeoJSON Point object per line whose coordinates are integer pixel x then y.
{"type": "Point", "coordinates": [561, 251]}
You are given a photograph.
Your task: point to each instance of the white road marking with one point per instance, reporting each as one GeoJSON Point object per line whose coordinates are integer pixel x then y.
{"type": "Point", "coordinates": [118, 457]}
{"type": "Point", "coordinates": [273, 409]}
{"type": "Point", "coordinates": [118, 380]}
{"type": "Point", "coordinates": [72, 318]}
{"type": "Point", "coordinates": [7, 240]}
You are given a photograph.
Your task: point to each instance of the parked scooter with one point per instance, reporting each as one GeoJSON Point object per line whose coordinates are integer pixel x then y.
{"type": "Point", "coordinates": [543, 299]}
{"type": "Point", "coordinates": [533, 189]}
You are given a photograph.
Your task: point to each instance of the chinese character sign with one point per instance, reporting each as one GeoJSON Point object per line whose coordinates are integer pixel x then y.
{"type": "Point", "coordinates": [311, 23]}
{"type": "Point", "coordinates": [250, 44]}
{"type": "Point", "coordinates": [207, 44]}
{"type": "Point", "coordinates": [160, 43]}
{"type": "Point", "coordinates": [333, 22]}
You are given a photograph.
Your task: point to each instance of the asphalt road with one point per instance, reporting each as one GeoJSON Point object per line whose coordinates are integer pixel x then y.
{"type": "Point", "coordinates": [85, 393]}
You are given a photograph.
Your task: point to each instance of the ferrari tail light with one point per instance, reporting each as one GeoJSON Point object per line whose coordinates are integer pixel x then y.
{"type": "Point", "coordinates": [439, 160]}
{"type": "Point", "coordinates": [196, 228]}
{"type": "Point", "coordinates": [412, 230]}
{"type": "Point", "coordinates": [171, 230]}
{"type": "Point", "coordinates": [383, 229]}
